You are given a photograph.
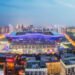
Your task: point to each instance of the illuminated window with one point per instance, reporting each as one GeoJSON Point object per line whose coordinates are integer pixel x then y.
{"type": "Point", "coordinates": [10, 65]}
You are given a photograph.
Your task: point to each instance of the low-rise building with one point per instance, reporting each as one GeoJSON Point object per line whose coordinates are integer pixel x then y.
{"type": "Point", "coordinates": [39, 71]}
{"type": "Point", "coordinates": [34, 68]}
{"type": "Point", "coordinates": [70, 29]}
{"type": "Point", "coordinates": [31, 43]}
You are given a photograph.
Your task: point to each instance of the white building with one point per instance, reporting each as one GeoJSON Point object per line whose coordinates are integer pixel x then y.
{"type": "Point", "coordinates": [11, 28]}
{"type": "Point", "coordinates": [68, 66]}
{"type": "Point", "coordinates": [39, 71]}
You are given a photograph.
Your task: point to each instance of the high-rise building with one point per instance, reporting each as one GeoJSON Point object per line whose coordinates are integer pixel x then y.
{"type": "Point", "coordinates": [54, 68]}
{"type": "Point", "coordinates": [4, 29]}
{"type": "Point", "coordinates": [11, 28]}
{"type": "Point", "coordinates": [68, 66]}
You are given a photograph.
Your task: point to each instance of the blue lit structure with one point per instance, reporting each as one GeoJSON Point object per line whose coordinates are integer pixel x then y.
{"type": "Point", "coordinates": [34, 42]}
{"type": "Point", "coordinates": [35, 36]}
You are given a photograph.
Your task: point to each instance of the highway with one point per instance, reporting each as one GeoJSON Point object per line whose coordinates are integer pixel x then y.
{"type": "Point", "coordinates": [69, 39]}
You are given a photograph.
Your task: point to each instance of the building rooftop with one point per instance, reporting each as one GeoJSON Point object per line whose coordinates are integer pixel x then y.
{"type": "Point", "coordinates": [36, 64]}
{"type": "Point", "coordinates": [22, 33]}
{"type": "Point", "coordinates": [67, 55]}
{"type": "Point", "coordinates": [34, 38]}
{"type": "Point", "coordinates": [39, 61]}
{"type": "Point", "coordinates": [68, 59]}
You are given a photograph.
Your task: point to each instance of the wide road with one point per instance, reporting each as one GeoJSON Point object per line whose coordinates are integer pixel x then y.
{"type": "Point", "coordinates": [70, 39]}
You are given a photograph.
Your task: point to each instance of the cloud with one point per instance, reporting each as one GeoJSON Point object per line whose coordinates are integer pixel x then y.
{"type": "Point", "coordinates": [64, 3]}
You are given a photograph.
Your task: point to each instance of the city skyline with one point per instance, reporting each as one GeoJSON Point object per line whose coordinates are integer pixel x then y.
{"type": "Point", "coordinates": [37, 12]}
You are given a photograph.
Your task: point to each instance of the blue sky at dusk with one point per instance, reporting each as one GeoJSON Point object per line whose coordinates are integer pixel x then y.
{"type": "Point", "coordinates": [38, 12]}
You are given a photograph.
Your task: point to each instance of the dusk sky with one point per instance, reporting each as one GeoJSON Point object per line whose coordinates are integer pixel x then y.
{"type": "Point", "coordinates": [38, 12]}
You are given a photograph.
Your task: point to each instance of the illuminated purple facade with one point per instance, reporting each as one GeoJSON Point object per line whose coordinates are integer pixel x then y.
{"type": "Point", "coordinates": [34, 38]}
{"type": "Point", "coordinates": [34, 42]}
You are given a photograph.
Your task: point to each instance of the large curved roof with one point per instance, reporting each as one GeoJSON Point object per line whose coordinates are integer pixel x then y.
{"type": "Point", "coordinates": [34, 38]}
{"type": "Point", "coordinates": [34, 35]}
